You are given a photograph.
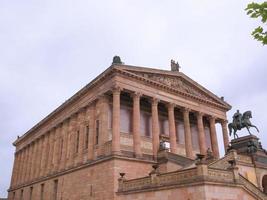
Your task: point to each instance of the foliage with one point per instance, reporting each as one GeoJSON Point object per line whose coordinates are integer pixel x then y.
{"type": "Point", "coordinates": [257, 10]}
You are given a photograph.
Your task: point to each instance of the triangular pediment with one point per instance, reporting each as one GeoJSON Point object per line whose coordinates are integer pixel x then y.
{"type": "Point", "coordinates": [177, 81]}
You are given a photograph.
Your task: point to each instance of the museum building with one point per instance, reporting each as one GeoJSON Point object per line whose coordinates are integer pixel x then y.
{"type": "Point", "coordinates": [137, 133]}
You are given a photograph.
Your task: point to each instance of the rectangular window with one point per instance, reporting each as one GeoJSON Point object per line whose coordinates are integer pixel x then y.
{"type": "Point", "coordinates": [77, 141]}
{"type": "Point", "coordinates": [31, 190]}
{"type": "Point", "coordinates": [86, 137]}
{"type": "Point", "coordinates": [42, 192]}
{"type": "Point", "coordinates": [97, 132]}
{"type": "Point", "coordinates": [55, 189]}
{"type": "Point", "coordinates": [21, 195]}
{"type": "Point", "coordinates": [14, 195]}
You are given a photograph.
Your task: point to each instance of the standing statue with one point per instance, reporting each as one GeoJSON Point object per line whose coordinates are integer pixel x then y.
{"type": "Point", "coordinates": [241, 121]}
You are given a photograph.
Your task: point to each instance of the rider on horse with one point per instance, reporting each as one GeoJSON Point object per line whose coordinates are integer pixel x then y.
{"type": "Point", "coordinates": [237, 120]}
{"type": "Point", "coordinates": [241, 121]}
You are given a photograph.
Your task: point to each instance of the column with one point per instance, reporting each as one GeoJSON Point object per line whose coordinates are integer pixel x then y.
{"type": "Point", "coordinates": [225, 134]}
{"type": "Point", "coordinates": [82, 130]}
{"type": "Point", "coordinates": [91, 114]}
{"type": "Point", "coordinates": [188, 135]}
{"type": "Point", "coordinates": [65, 144]}
{"type": "Point", "coordinates": [155, 127]}
{"type": "Point", "coordinates": [36, 158]}
{"type": "Point", "coordinates": [19, 167]}
{"type": "Point", "coordinates": [26, 164]}
{"type": "Point", "coordinates": [21, 171]}
{"type": "Point", "coordinates": [172, 129]}
{"type": "Point", "coordinates": [136, 125]}
{"type": "Point", "coordinates": [43, 156]}
{"type": "Point", "coordinates": [72, 138]}
{"type": "Point", "coordinates": [213, 137]}
{"type": "Point", "coordinates": [116, 121]}
{"type": "Point", "coordinates": [14, 171]}
{"type": "Point", "coordinates": [51, 151]}
{"type": "Point", "coordinates": [32, 160]}
{"type": "Point", "coordinates": [56, 148]}
{"type": "Point", "coordinates": [201, 134]}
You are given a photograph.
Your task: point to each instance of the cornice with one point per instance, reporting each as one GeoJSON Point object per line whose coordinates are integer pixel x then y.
{"type": "Point", "coordinates": [112, 71]}
{"type": "Point", "coordinates": [225, 107]}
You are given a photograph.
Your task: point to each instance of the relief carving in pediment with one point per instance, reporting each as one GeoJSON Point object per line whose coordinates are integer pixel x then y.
{"type": "Point", "coordinates": [176, 83]}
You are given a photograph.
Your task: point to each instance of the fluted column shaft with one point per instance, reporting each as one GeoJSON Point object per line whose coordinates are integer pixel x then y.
{"type": "Point", "coordinates": [36, 158]}
{"type": "Point", "coordinates": [188, 135]}
{"type": "Point", "coordinates": [91, 116]}
{"type": "Point", "coordinates": [29, 163]}
{"type": "Point", "coordinates": [172, 128]}
{"type": "Point", "coordinates": [155, 127]}
{"type": "Point", "coordinates": [82, 130]}
{"type": "Point", "coordinates": [57, 147]}
{"type": "Point", "coordinates": [225, 135]}
{"type": "Point", "coordinates": [14, 171]}
{"type": "Point", "coordinates": [136, 125]}
{"type": "Point", "coordinates": [213, 137]}
{"type": "Point", "coordinates": [72, 139]}
{"type": "Point", "coordinates": [43, 155]}
{"type": "Point", "coordinates": [201, 134]}
{"type": "Point", "coordinates": [64, 145]}
{"type": "Point", "coordinates": [25, 178]}
{"type": "Point", "coordinates": [22, 166]}
{"type": "Point", "coordinates": [51, 151]}
{"type": "Point", "coordinates": [32, 160]}
{"type": "Point", "coordinates": [116, 121]}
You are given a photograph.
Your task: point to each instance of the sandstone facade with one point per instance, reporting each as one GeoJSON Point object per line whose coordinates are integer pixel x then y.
{"type": "Point", "coordinates": [116, 125]}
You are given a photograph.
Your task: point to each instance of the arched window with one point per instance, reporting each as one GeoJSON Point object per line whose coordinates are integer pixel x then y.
{"type": "Point", "coordinates": [264, 184]}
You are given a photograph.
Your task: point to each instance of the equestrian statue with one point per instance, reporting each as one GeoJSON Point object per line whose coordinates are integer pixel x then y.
{"type": "Point", "coordinates": [241, 121]}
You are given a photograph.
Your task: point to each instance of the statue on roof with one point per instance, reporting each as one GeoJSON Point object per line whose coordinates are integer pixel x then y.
{"type": "Point", "coordinates": [241, 121]}
{"type": "Point", "coordinates": [117, 60]}
{"type": "Point", "coordinates": [175, 66]}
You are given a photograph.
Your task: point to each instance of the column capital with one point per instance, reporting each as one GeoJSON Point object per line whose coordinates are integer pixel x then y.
{"type": "Point", "coordinates": [212, 118]}
{"type": "Point", "coordinates": [136, 94]}
{"type": "Point", "coordinates": [116, 89]}
{"type": "Point", "coordinates": [185, 110]}
{"type": "Point", "coordinates": [199, 114]}
{"type": "Point", "coordinates": [155, 101]}
{"type": "Point", "coordinates": [171, 105]}
{"type": "Point", "coordinates": [223, 121]}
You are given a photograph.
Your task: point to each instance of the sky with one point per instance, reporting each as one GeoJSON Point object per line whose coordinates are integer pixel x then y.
{"type": "Point", "coordinates": [51, 49]}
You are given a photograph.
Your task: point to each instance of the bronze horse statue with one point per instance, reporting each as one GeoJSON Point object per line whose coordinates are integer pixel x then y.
{"type": "Point", "coordinates": [245, 123]}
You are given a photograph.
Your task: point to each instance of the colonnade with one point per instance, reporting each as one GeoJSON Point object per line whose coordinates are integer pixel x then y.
{"type": "Point", "coordinates": [172, 128]}
{"type": "Point", "coordinates": [63, 146]}
{"type": "Point", "coordinates": [54, 151]}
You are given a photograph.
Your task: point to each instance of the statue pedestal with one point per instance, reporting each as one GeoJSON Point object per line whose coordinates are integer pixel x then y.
{"type": "Point", "coordinates": [246, 144]}
{"type": "Point", "coordinates": [250, 145]}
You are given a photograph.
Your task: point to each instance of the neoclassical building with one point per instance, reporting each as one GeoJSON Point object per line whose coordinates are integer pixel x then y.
{"type": "Point", "coordinates": [137, 133]}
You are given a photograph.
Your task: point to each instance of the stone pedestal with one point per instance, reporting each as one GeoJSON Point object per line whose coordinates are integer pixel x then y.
{"type": "Point", "coordinates": [251, 146]}
{"type": "Point", "coordinates": [246, 144]}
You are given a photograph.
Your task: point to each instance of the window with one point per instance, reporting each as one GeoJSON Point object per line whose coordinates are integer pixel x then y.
{"type": "Point", "coordinates": [55, 189]}
{"type": "Point", "coordinates": [31, 190]}
{"type": "Point", "coordinates": [77, 141]}
{"type": "Point", "coordinates": [97, 132]}
{"type": "Point", "coordinates": [42, 192]}
{"type": "Point", "coordinates": [14, 195]}
{"type": "Point", "coordinates": [86, 137]}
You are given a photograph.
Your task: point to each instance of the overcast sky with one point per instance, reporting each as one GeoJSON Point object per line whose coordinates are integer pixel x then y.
{"type": "Point", "coordinates": [51, 49]}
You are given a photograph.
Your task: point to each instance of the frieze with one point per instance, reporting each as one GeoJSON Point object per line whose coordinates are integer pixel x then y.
{"type": "Point", "coordinates": [176, 83]}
